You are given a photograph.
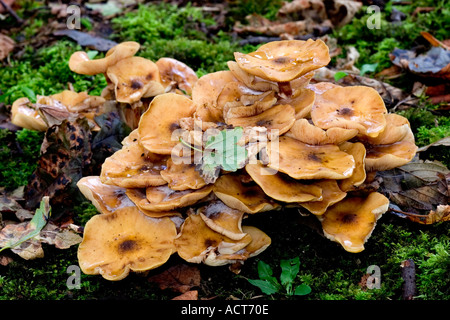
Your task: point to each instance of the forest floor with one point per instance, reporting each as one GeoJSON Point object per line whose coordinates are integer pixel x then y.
{"type": "Point", "coordinates": [204, 35]}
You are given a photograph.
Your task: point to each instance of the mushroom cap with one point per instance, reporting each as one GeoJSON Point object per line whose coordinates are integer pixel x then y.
{"type": "Point", "coordinates": [304, 161]}
{"type": "Point", "coordinates": [390, 156]}
{"type": "Point", "coordinates": [247, 107]}
{"type": "Point", "coordinates": [356, 107]}
{"type": "Point", "coordinates": [196, 241]}
{"type": "Point", "coordinates": [133, 167]}
{"type": "Point", "coordinates": [236, 91]}
{"type": "Point", "coordinates": [163, 199]}
{"type": "Point", "coordinates": [351, 221]}
{"type": "Point", "coordinates": [182, 176]}
{"type": "Point", "coordinates": [78, 101]}
{"type": "Point", "coordinates": [280, 186]}
{"type": "Point", "coordinates": [397, 129]}
{"type": "Point", "coordinates": [302, 130]}
{"type": "Point", "coordinates": [22, 115]}
{"type": "Point", "coordinates": [158, 123]}
{"type": "Point", "coordinates": [331, 194]}
{"type": "Point", "coordinates": [176, 74]}
{"type": "Point", "coordinates": [115, 243]}
{"type": "Point", "coordinates": [250, 80]}
{"type": "Point", "coordinates": [80, 63]}
{"type": "Point", "coordinates": [358, 151]}
{"type": "Point", "coordinates": [223, 219]}
{"type": "Point", "coordinates": [134, 78]}
{"type": "Point", "coordinates": [246, 197]}
{"type": "Point", "coordinates": [278, 120]}
{"type": "Point", "coordinates": [302, 100]}
{"type": "Point", "coordinates": [283, 61]}
{"type": "Point", "coordinates": [260, 241]}
{"type": "Point", "coordinates": [106, 198]}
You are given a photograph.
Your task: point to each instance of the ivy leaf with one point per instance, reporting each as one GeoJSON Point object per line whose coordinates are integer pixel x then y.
{"type": "Point", "coordinates": [13, 236]}
{"type": "Point", "coordinates": [265, 286]}
{"type": "Point", "coordinates": [221, 151]}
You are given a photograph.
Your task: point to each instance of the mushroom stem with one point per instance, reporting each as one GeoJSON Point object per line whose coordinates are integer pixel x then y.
{"type": "Point", "coordinates": [285, 88]}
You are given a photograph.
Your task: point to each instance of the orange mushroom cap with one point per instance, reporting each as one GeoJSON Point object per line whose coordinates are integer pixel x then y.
{"type": "Point", "coordinates": [351, 221]}
{"type": "Point", "coordinates": [283, 61]}
{"type": "Point", "coordinates": [331, 194]}
{"type": "Point", "coordinates": [176, 74]}
{"type": "Point", "coordinates": [125, 240]}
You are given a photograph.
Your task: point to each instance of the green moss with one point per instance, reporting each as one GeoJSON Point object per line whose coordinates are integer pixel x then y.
{"type": "Point", "coordinates": [45, 72]}
{"type": "Point", "coordinates": [19, 153]}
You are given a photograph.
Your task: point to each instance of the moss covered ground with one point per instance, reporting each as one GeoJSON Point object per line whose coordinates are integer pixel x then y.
{"type": "Point", "coordinates": [165, 30]}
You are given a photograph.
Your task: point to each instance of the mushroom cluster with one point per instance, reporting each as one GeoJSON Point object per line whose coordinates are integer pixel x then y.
{"type": "Point", "coordinates": [309, 146]}
{"type": "Point", "coordinates": [132, 82]}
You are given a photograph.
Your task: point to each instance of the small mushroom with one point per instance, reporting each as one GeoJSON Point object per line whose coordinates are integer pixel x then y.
{"type": "Point", "coordinates": [78, 101]}
{"type": "Point", "coordinates": [223, 219]}
{"type": "Point", "coordinates": [135, 78]}
{"type": "Point", "coordinates": [358, 151]}
{"type": "Point", "coordinates": [278, 120]}
{"type": "Point", "coordinates": [133, 167]}
{"type": "Point", "coordinates": [302, 130]}
{"type": "Point", "coordinates": [106, 198]}
{"type": "Point", "coordinates": [244, 196]}
{"type": "Point", "coordinates": [196, 241]}
{"type": "Point", "coordinates": [356, 107]}
{"type": "Point", "coordinates": [24, 116]}
{"type": "Point", "coordinates": [331, 194]}
{"type": "Point", "coordinates": [163, 199]}
{"type": "Point", "coordinates": [158, 123]}
{"type": "Point", "coordinates": [280, 186]}
{"type": "Point", "coordinates": [351, 221]}
{"type": "Point", "coordinates": [125, 240]}
{"type": "Point", "coordinates": [283, 61]}
{"type": "Point", "coordinates": [176, 75]}
{"type": "Point", "coordinates": [80, 63]}
{"type": "Point", "coordinates": [304, 161]}
{"type": "Point", "coordinates": [242, 108]}
{"type": "Point", "coordinates": [182, 176]}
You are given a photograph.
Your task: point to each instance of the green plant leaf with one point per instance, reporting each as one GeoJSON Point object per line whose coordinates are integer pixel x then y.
{"type": "Point", "coordinates": [302, 290]}
{"type": "Point", "coordinates": [339, 75]}
{"type": "Point", "coordinates": [368, 68]}
{"type": "Point", "coordinates": [33, 228]}
{"type": "Point", "coordinates": [266, 286]}
{"type": "Point", "coordinates": [289, 270]}
{"type": "Point", "coordinates": [264, 270]}
{"type": "Point", "coordinates": [29, 93]}
{"type": "Point", "coordinates": [222, 152]}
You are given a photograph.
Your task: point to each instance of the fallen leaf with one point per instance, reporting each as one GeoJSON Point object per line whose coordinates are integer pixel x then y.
{"type": "Point", "coordinates": [441, 214]}
{"type": "Point", "coordinates": [190, 295]}
{"type": "Point", "coordinates": [179, 278]}
{"type": "Point", "coordinates": [441, 142]}
{"type": "Point", "coordinates": [6, 45]}
{"type": "Point", "coordinates": [65, 155]}
{"type": "Point", "coordinates": [87, 40]}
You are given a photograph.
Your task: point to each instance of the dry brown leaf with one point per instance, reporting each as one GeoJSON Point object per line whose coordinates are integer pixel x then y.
{"type": "Point", "coordinates": [189, 295]}
{"type": "Point", "coordinates": [179, 278]}
{"type": "Point", "coordinates": [6, 45]}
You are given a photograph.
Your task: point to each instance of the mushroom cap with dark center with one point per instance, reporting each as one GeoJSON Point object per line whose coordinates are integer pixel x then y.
{"type": "Point", "coordinates": [159, 123]}
{"type": "Point", "coordinates": [303, 161]}
{"type": "Point", "coordinates": [176, 74]}
{"type": "Point", "coordinates": [356, 107]}
{"type": "Point", "coordinates": [283, 61]}
{"type": "Point", "coordinates": [351, 221]}
{"type": "Point", "coordinates": [125, 240]}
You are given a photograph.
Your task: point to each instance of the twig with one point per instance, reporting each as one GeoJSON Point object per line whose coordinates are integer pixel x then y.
{"type": "Point", "coordinates": [11, 11]}
{"type": "Point", "coordinates": [409, 276]}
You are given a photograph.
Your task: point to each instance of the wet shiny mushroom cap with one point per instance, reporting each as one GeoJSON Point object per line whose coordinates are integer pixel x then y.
{"type": "Point", "coordinates": [351, 221]}
{"type": "Point", "coordinates": [176, 75]}
{"type": "Point", "coordinates": [159, 123]}
{"type": "Point", "coordinates": [125, 240]}
{"type": "Point", "coordinates": [283, 61]}
{"type": "Point", "coordinates": [303, 161]}
{"type": "Point", "coordinates": [355, 107]}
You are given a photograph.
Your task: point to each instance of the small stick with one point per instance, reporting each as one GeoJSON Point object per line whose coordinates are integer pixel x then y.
{"type": "Point", "coordinates": [409, 276]}
{"type": "Point", "coordinates": [11, 11]}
